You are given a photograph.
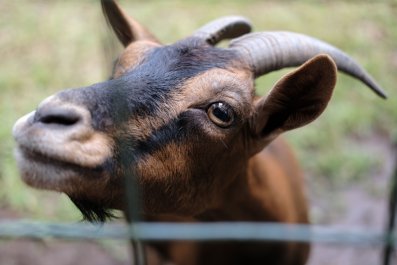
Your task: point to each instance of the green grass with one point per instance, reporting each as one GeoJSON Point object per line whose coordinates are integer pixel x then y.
{"type": "Point", "coordinates": [46, 46]}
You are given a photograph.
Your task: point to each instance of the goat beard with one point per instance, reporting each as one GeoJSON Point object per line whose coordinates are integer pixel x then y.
{"type": "Point", "coordinates": [93, 212]}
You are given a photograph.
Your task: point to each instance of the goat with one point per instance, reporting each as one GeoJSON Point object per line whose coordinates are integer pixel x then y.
{"type": "Point", "coordinates": [185, 119]}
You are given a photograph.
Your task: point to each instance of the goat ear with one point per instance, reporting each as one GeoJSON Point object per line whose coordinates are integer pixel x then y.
{"type": "Point", "coordinates": [297, 99]}
{"type": "Point", "coordinates": [126, 28]}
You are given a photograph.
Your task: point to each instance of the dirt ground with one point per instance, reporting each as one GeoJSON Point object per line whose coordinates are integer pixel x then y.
{"type": "Point", "coordinates": [360, 206]}
{"type": "Point", "coordinates": [24, 252]}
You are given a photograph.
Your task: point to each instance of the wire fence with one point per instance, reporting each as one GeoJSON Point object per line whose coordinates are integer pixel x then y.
{"type": "Point", "coordinates": [392, 211]}
{"type": "Point", "coordinates": [220, 231]}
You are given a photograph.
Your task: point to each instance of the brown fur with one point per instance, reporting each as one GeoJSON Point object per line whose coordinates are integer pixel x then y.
{"type": "Point", "coordinates": [132, 56]}
{"type": "Point", "coordinates": [271, 190]}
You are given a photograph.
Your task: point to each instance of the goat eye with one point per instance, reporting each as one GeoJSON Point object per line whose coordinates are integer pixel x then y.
{"type": "Point", "coordinates": [221, 114]}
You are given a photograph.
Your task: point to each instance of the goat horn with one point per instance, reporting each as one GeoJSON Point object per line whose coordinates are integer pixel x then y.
{"type": "Point", "coordinates": [125, 27]}
{"type": "Point", "coordinates": [270, 51]}
{"type": "Point", "coordinates": [223, 28]}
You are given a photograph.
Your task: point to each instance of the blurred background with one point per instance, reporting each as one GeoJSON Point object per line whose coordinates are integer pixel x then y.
{"type": "Point", "coordinates": [347, 154]}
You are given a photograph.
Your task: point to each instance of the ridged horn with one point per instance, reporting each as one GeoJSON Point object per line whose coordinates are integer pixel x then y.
{"type": "Point", "coordinates": [223, 28]}
{"type": "Point", "coordinates": [269, 51]}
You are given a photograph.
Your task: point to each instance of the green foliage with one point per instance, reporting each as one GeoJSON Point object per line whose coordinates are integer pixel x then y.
{"type": "Point", "coordinates": [46, 46]}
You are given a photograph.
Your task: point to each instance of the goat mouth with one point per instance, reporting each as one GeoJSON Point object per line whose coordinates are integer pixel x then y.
{"type": "Point", "coordinates": [35, 156]}
{"type": "Point", "coordinates": [41, 171]}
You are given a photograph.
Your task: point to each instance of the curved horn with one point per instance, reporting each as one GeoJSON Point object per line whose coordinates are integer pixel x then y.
{"type": "Point", "coordinates": [126, 28]}
{"type": "Point", "coordinates": [270, 51]}
{"type": "Point", "coordinates": [223, 28]}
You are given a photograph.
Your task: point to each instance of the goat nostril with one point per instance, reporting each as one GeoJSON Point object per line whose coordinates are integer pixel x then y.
{"type": "Point", "coordinates": [59, 117]}
{"type": "Point", "coordinates": [62, 120]}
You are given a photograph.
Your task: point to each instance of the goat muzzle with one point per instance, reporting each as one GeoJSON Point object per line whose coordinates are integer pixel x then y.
{"type": "Point", "coordinates": [63, 132]}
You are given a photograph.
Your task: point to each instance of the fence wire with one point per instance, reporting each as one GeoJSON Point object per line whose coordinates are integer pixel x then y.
{"type": "Point", "coordinates": [229, 231]}
{"type": "Point", "coordinates": [392, 211]}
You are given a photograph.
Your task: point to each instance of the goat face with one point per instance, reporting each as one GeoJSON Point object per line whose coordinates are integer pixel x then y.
{"type": "Point", "coordinates": [175, 117]}
{"type": "Point", "coordinates": [181, 119]}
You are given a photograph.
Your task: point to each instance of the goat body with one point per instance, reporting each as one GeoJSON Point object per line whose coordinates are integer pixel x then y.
{"type": "Point", "coordinates": [184, 123]}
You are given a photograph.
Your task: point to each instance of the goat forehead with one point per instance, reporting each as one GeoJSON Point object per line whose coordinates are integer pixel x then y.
{"type": "Point", "coordinates": [164, 70]}
{"type": "Point", "coordinates": [181, 61]}
{"type": "Point", "coordinates": [184, 60]}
